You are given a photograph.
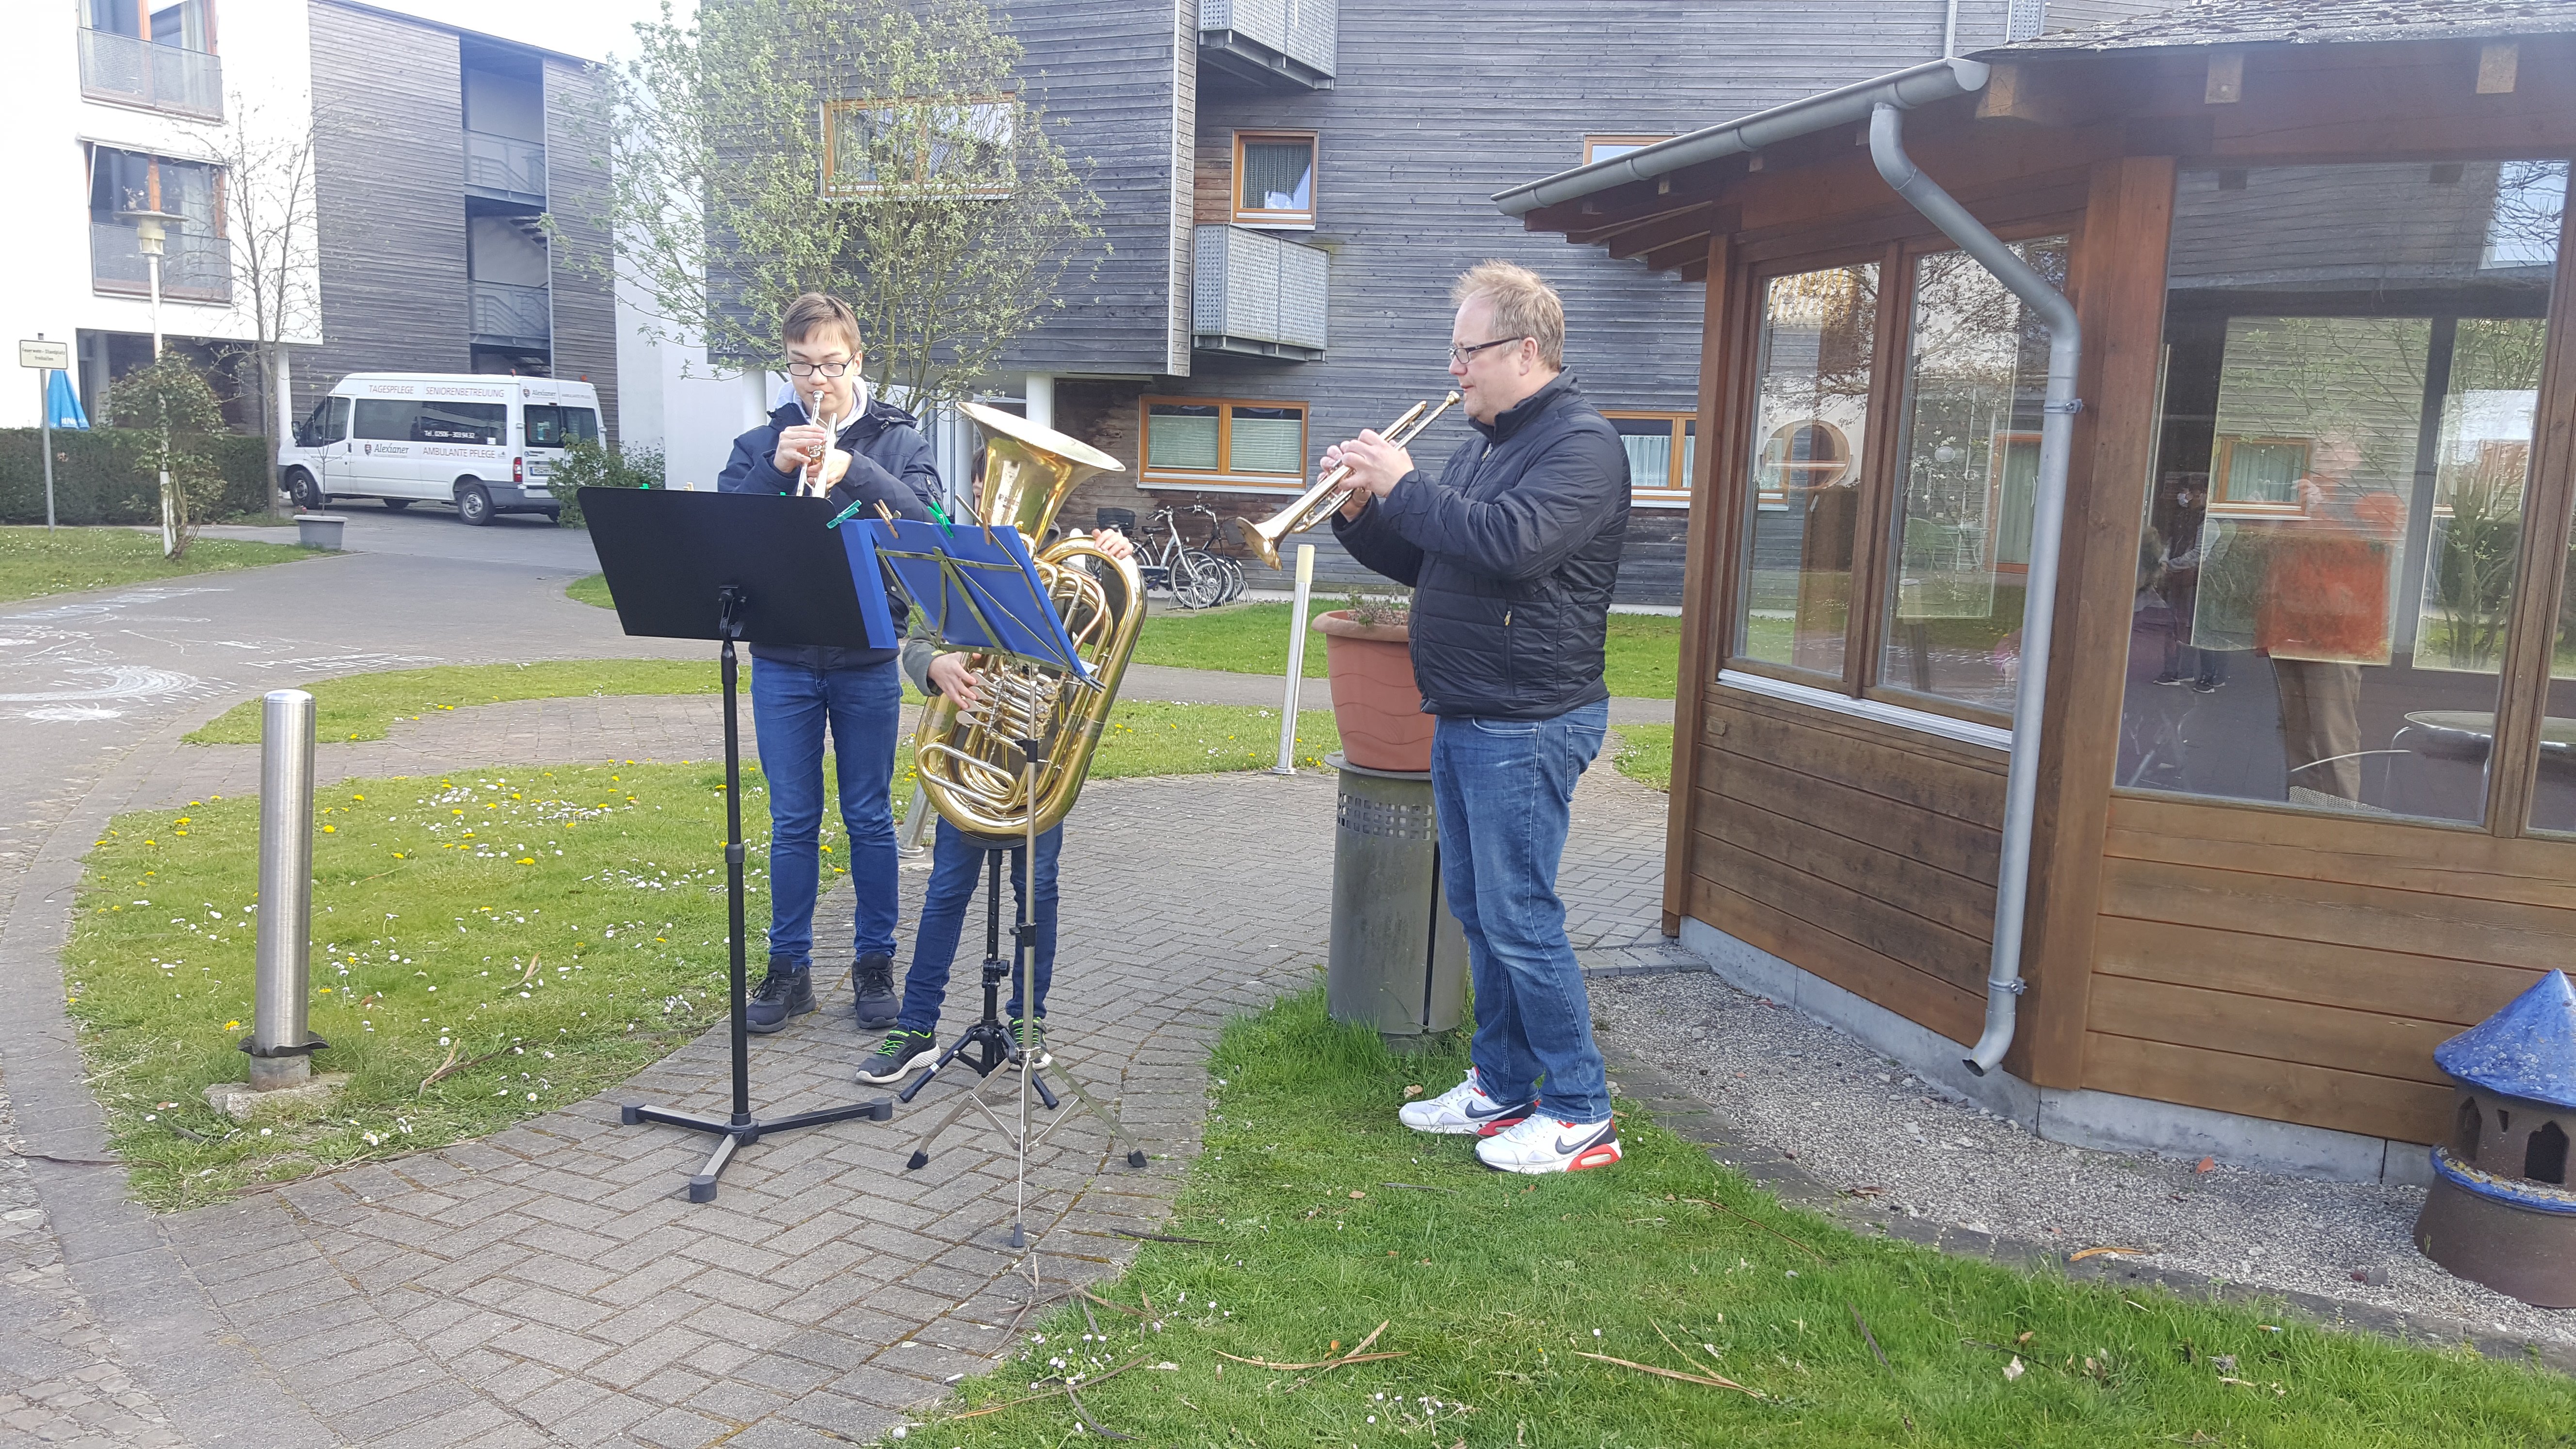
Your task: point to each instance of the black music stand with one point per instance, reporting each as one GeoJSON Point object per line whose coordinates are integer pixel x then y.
{"type": "Point", "coordinates": [764, 569]}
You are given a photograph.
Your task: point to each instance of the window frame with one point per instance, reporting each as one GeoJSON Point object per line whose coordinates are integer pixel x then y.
{"type": "Point", "coordinates": [1150, 479]}
{"type": "Point", "coordinates": [1293, 220]}
{"type": "Point", "coordinates": [1632, 143]}
{"type": "Point", "coordinates": [1874, 468]}
{"type": "Point", "coordinates": [2223, 467]}
{"type": "Point", "coordinates": [832, 190]}
{"type": "Point", "coordinates": [1685, 437]}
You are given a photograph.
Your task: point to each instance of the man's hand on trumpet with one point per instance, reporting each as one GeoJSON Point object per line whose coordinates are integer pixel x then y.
{"type": "Point", "coordinates": [1376, 467]}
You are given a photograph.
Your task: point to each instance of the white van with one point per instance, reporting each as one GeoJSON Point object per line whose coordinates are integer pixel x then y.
{"type": "Point", "coordinates": [481, 442]}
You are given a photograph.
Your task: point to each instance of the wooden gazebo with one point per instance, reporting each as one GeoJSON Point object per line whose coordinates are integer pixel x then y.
{"type": "Point", "coordinates": [2302, 778]}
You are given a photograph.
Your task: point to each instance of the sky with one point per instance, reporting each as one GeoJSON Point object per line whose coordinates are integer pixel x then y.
{"type": "Point", "coordinates": [590, 29]}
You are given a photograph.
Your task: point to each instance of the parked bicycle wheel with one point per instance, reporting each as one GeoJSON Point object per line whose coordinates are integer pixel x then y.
{"type": "Point", "coordinates": [1233, 578]}
{"type": "Point", "coordinates": [1197, 579]}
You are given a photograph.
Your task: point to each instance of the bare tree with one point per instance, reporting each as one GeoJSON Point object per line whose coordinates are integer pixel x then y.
{"type": "Point", "coordinates": [269, 209]}
{"type": "Point", "coordinates": [878, 149]}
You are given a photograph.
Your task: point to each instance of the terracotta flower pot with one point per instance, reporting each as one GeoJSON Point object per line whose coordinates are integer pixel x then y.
{"type": "Point", "coordinates": [1375, 703]}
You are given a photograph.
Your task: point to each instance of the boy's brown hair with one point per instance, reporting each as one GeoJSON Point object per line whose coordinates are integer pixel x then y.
{"type": "Point", "coordinates": [814, 312]}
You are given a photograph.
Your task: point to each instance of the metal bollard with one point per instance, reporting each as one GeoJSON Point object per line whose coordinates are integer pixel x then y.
{"type": "Point", "coordinates": [281, 1044]}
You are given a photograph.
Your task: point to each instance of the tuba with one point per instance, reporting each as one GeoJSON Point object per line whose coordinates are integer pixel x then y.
{"type": "Point", "coordinates": [970, 764]}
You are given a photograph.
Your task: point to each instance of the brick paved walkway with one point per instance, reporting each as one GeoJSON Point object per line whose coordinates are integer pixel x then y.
{"type": "Point", "coordinates": [551, 1285]}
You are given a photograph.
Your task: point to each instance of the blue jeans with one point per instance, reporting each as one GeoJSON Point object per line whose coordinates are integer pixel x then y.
{"type": "Point", "coordinates": [1504, 789]}
{"type": "Point", "coordinates": [862, 708]}
{"type": "Point", "coordinates": [956, 869]}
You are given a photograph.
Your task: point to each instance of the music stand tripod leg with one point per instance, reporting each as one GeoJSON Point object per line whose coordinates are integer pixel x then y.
{"type": "Point", "coordinates": [742, 1129]}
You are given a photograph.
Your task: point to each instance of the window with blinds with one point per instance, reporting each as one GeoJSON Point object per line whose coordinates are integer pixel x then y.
{"type": "Point", "coordinates": [1659, 449]}
{"type": "Point", "coordinates": [1274, 178]}
{"type": "Point", "coordinates": [1219, 443]}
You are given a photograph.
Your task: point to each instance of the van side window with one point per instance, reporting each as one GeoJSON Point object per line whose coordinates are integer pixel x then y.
{"type": "Point", "coordinates": [386, 420]}
{"type": "Point", "coordinates": [459, 422]}
{"type": "Point", "coordinates": [554, 427]}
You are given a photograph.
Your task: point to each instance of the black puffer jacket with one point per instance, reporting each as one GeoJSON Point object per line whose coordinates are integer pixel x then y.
{"type": "Point", "coordinates": [890, 463]}
{"type": "Point", "coordinates": [1511, 554]}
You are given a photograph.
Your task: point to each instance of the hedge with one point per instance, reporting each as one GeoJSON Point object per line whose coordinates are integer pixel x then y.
{"type": "Point", "coordinates": [105, 475]}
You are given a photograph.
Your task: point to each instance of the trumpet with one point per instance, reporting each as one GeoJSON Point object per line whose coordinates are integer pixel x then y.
{"type": "Point", "coordinates": [1321, 501]}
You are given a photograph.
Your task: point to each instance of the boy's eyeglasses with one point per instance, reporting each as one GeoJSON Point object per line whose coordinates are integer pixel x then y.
{"type": "Point", "coordinates": [808, 369]}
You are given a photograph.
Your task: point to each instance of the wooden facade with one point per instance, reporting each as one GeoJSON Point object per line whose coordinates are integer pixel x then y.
{"type": "Point", "coordinates": [2248, 957]}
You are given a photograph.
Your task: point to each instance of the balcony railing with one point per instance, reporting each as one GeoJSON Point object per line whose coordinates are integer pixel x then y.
{"type": "Point", "coordinates": [1281, 43]}
{"type": "Point", "coordinates": [1258, 295]}
{"type": "Point", "coordinates": [195, 266]}
{"type": "Point", "coordinates": [505, 166]}
{"type": "Point", "coordinates": [138, 72]}
{"type": "Point", "coordinates": [512, 316]}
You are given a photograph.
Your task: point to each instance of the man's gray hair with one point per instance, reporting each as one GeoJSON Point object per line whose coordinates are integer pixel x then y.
{"type": "Point", "coordinates": [1524, 306]}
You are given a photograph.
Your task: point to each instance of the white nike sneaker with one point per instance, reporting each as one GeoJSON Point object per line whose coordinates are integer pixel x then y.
{"type": "Point", "coordinates": [1462, 1109]}
{"type": "Point", "coordinates": [1541, 1143]}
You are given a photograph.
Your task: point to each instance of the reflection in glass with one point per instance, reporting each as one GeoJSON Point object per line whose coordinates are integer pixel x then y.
{"type": "Point", "coordinates": [1973, 390]}
{"type": "Point", "coordinates": [2352, 355]}
{"type": "Point", "coordinates": [1810, 417]}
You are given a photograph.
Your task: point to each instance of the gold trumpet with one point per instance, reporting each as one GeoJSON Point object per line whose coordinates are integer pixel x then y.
{"type": "Point", "coordinates": [970, 762]}
{"type": "Point", "coordinates": [1321, 501]}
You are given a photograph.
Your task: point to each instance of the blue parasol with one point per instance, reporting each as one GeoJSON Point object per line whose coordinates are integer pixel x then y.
{"type": "Point", "coordinates": [62, 405]}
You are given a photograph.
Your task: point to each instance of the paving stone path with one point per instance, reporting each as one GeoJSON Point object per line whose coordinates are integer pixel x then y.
{"type": "Point", "coordinates": [551, 1285]}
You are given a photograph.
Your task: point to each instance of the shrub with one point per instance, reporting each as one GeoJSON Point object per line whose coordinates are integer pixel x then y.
{"type": "Point", "coordinates": [586, 464]}
{"type": "Point", "coordinates": [107, 475]}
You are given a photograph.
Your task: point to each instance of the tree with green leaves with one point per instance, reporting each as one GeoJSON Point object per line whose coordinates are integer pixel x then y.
{"type": "Point", "coordinates": [172, 400]}
{"type": "Point", "coordinates": [879, 150]}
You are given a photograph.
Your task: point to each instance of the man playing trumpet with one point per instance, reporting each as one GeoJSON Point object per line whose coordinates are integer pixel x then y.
{"type": "Point", "coordinates": [830, 441]}
{"type": "Point", "coordinates": [1511, 553]}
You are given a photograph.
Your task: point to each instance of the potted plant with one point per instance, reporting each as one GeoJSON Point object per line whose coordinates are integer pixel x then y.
{"type": "Point", "coordinates": [1368, 656]}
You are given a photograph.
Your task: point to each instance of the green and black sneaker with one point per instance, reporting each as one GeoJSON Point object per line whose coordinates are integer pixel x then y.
{"type": "Point", "coordinates": [1031, 1035]}
{"type": "Point", "coordinates": [899, 1056]}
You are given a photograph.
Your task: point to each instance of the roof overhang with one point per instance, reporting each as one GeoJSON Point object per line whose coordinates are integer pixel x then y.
{"type": "Point", "coordinates": [1919, 85]}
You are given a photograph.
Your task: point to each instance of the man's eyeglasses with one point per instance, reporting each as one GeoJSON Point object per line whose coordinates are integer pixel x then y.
{"type": "Point", "coordinates": [808, 369]}
{"type": "Point", "coordinates": [1468, 354]}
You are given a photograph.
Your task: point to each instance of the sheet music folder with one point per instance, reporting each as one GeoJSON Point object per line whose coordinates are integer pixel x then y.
{"type": "Point", "coordinates": [976, 588]}
{"type": "Point", "coordinates": [668, 553]}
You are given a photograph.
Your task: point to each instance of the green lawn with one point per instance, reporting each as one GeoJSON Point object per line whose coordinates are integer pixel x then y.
{"type": "Point", "coordinates": [591, 589]}
{"type": "Point", "coordinates": [1318, 1219]}
{"type": "Point", "coordinates": [360, 706]}
{"type": "Point", "coordinates": [35, 562]}
{"type": "Point", "coordinates": [571, 920]}
{"type": "Point", "coordinates": [1644, 753]}
{"type": "Point", "coordinates": [1644, 650]}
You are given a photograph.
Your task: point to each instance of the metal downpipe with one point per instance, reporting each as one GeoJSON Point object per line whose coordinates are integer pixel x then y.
{"type": "Point", "coordinates": [2004, 983]}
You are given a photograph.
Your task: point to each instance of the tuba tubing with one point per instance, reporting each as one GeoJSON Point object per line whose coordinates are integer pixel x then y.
{"type": "Point", "coordinates": [969, 764]}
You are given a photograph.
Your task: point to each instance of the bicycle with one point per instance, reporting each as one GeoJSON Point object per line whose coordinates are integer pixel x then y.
{"type": "Point", "coordinates": [1229, 565]}
{"type": "Point", "coordinates": [1191, 576]}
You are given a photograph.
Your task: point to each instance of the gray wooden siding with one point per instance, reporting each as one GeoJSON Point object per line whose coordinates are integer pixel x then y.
{"type": "Point", "coordinates": [1110, 71]}
{"type": "Point", "coordinates": [1437, 106]}
{"type": "Point", "coordinates": [390, 199]}
{"type": "Point", "coordinates": [585, 334]}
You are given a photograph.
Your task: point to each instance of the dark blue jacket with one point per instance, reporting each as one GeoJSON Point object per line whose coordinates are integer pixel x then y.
{"type": "Point", "coordinates": [1511, 553]}
{"type": "Point", "coordinates": [890, 463]}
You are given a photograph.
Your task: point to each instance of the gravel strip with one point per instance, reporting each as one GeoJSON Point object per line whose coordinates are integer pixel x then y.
{"type": "Point", "coordinates": [1855, 1120]}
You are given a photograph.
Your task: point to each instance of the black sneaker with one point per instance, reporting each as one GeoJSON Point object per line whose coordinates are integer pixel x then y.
{"type": "Point", "coordinates": [1031, 1036]}
{"type": "Point", "coordinates": [900, 1055]}
{"type": "Point", "coordinates": [878, 1002]}
{"type": "Point", "coordinates": [788, 990]}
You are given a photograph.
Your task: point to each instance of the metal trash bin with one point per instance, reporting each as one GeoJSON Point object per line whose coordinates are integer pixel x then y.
{"type": "Point", "coordinates": [1398, 960]}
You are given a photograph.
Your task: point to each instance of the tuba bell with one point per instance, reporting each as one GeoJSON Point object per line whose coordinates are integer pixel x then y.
{"type": "Point", "coordinates": [969, 763]}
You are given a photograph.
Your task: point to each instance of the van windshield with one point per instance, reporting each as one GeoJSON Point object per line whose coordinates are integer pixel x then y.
{"type": "Point", "coordinates": [553, 427]}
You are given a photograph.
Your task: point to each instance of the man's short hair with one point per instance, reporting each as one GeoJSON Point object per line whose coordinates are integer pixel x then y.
{"type": "Point", "coordinates": [1524, 306]}
{"type": "Point", "coordinates": [815, 312]}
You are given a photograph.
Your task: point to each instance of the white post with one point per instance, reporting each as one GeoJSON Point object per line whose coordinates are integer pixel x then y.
{"type": "Point", "coordinates": [152, 258]}
{"type": "Point", "coordinates": [45, 420]}
{"type": "Point", "coordinates": [1039, 389]}
{"type": "Point", "coordinates": [285, 386]}
{"type": "Point", "coordinates": [1296, 661]}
